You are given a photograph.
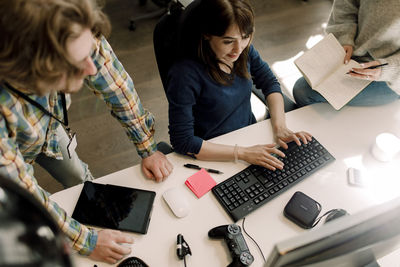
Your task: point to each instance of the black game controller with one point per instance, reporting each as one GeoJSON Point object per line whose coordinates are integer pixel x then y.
{"type": "Point", "coordinates": [236, 244]}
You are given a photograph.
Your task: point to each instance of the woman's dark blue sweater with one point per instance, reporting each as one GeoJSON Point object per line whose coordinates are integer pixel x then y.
{"type": "Point", "coordinates": [200, 108]}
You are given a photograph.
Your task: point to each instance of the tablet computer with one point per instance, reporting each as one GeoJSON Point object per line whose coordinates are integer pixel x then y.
{"type": "Point", "coordinates": [114, 207]}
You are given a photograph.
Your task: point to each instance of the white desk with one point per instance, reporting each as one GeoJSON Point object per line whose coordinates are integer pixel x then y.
{"type": "Point", "coordinates": [347, 134]}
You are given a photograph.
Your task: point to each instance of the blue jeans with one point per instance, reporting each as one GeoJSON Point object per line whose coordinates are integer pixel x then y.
{"type": "Point", "coordinates": [68, 172]}
{"type": "Point", "coordinates": [376, 93]}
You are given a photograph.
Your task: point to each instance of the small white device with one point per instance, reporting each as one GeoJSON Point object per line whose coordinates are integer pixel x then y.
{"type": "Point", "coordinates": [357, 178]}
{"type": "Point", "coordinates": [177, 202]}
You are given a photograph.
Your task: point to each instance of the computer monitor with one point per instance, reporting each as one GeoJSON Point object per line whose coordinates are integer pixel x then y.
{"type": "Point", "coordinates": [352, 240]}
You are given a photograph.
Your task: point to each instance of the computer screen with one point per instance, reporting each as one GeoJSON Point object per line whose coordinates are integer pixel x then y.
{"type": "Point", "coordinates": [353, 240]}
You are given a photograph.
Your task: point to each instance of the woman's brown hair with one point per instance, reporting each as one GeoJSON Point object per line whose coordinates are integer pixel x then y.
{"type": "Point", "coordinates": [216, 17]}
{"type": "Point", "coordinates": [34, 35]}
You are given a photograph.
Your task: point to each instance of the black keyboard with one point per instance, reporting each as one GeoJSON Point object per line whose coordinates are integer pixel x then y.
{"type": "Point", "coordinates": [254, 186]}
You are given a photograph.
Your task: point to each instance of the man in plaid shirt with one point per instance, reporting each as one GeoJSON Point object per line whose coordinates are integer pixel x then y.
{"type": "Point", "coordinates": [50, 47]}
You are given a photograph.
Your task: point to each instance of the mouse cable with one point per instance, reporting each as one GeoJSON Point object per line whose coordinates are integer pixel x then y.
{"type": "Point", "coordinates": [320, 217]}
{"type": "Point", "coordinates": [254, 241]}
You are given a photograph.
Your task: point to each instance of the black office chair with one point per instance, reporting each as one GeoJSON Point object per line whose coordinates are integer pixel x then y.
{"type": "Point", "coordinates": [29, 234]}
{"type": "Point", "coordinates": [166, 38]}
{"type": "Point", "coordinates": [163, 8]}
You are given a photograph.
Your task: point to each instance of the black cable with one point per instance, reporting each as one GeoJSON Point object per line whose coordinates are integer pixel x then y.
{"type": "Point", "coordinates": [254, 241]}
{"type": "Point", "coordinates": [320, 217]}
{"type": "Point", "coordinates": [184, 260]}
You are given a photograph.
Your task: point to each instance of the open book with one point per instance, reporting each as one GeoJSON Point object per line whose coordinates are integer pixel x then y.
{"type": "Point", "coordinates": [323, 68]}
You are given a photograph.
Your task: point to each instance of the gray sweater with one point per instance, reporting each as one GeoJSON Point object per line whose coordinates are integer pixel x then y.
{"type": "Point", "coordinates": [372, 27]}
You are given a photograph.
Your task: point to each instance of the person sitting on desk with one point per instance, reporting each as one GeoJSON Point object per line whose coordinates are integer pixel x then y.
{"type": "Point", "coordinates": [48, 48]}
{"type": "Point", "coordinates": [209, 94]}
{"type": "Point", "coordinates": [369, 33]}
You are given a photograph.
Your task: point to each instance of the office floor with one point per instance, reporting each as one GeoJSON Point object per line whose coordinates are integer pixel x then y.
{"type": "Point", "coordinates": [283, 30]}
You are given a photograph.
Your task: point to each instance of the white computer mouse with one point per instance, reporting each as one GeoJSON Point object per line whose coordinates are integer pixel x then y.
{"type": "Point", "coordinates": [177, 202]}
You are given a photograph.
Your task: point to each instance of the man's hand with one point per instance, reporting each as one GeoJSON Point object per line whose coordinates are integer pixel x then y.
{"type": "Point", "coordinates": [108, 247]}
{"type": "Point", "coordinates": [157, 167]}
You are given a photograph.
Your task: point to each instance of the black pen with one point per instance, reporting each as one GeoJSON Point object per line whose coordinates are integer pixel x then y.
{"type": "Point", "coordinates": [192, 166]}
{"type": "Point", "coordinates": [376, 66]}
{"type": "Point", "coordinates": [372, 67]}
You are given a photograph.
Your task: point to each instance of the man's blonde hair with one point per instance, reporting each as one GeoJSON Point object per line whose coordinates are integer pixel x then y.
{"type": "Point", "coordinates": [34, 35]}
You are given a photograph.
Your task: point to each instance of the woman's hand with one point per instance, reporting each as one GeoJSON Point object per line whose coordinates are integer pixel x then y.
{"type": "Point", "coordinates": [261, 155]}
{"type": "Point", "coordinates": [348, 49]}
{"type": "Point", "coordinates": [283, 135]}
{"type": "Point", "coordinates": [367, 74]}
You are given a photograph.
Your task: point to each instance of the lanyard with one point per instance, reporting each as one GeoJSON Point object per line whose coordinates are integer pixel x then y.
{"type": "Point", "coordinates": [45, 111]}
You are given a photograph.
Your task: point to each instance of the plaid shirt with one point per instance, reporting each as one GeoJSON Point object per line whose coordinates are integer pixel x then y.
{"type": "Point", "coordinates": [25, 131]}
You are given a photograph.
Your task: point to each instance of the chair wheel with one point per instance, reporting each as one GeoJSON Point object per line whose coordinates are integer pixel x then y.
{"type": "Point", "coordinates": [132, 26]}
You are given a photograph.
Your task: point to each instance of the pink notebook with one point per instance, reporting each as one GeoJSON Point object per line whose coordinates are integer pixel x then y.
{"type": "Point", "coordinates": [200, 183]}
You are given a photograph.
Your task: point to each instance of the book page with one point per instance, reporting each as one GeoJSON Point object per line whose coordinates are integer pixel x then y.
{"type": "Point", "coordinates": [321, 60]}
{"type": "Point", "coordinates": [339, 88]}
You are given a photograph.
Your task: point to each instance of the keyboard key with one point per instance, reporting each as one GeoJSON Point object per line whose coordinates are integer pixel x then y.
{"type": "Point", "coordinates": [220, 192]}
{"type": "Point", "coordinates": [226, 200]}
{"type": "Point", "coordinates": [229, 183]}
{"type": "Point", "coordinates": [271, 191]}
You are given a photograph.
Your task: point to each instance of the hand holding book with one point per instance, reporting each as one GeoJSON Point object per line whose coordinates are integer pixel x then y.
{"type": "Point", "coordinates": [348, 49]}
{"type": "Point", "coordinates": [323, 68]}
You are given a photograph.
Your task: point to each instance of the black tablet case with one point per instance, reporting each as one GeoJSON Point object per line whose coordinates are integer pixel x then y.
{"type": "Point", "coordinates": [114, 207]}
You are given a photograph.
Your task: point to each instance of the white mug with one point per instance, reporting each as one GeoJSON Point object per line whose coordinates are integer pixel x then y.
{"type": "Point", "coordinates": [386, 147]}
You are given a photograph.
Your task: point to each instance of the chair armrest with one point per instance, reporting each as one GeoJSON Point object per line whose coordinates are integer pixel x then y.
{"type": "Point", "coordinates": [259, 109]}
